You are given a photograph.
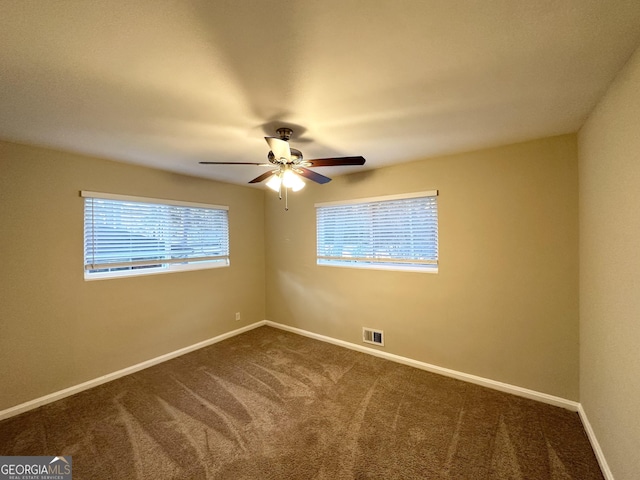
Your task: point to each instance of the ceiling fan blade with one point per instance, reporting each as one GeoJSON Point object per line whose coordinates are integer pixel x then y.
{"type": "Point", "coordinates": [262, 177]}
{"type": "Point", "coordinates": [311, 175]}
{"type": "Point", "coordinates": [280, 148]}
{"type": "Point", "coordinates": [331, 162]}
{"type": "Point", "coordinates": [236, 163]}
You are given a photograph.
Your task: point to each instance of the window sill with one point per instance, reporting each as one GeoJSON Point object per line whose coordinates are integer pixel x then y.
{"type": "Point", "coordinates": [89, 277]}
{"type": "Point", "coordinates": [368, 266]}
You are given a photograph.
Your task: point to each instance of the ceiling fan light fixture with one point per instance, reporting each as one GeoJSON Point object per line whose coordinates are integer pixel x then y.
{"type": "Point", "coordinates": [274, 182]}
{"type": "Point", "coordinates": [292, 181]}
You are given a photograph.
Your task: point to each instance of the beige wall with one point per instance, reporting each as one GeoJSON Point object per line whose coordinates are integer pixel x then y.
{"type": "Point", "coordinates": [56, 330]}
{"type": "Point", "coordinates": [505, 302]}
{"type": "Point", "coordinates": [609, 173]}
{"type": "Point", "coordinates": [504, 305]}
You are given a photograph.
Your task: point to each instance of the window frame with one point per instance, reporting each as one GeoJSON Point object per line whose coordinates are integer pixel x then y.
{"type": "Point", "coordinates": [164, 267]}
{"type": "Point", "coordinates": [430, 266]}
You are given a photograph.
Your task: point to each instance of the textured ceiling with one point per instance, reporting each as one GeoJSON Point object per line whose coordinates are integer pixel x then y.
{"type": "Point", "coordinates": [170, 83]}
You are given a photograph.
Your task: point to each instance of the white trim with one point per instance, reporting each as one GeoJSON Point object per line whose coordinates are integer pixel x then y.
{"type": "Point", "coordinates": [59, 395]}
{"type": "Point", "coordinates": [383, 198]}
{"type": "Point", "coordinates": [485, 382]}
{"type": "Point", "coordinates": [503, 387]}
{"type": "Point", "coordinates": [164, 261]}
{"type": "Point", "coordinates": [130, 198]}
{"type": "Point", "coordinates": [604, 466]}
{"type": "Point", "coordinates": [392, 261]}
{"type": "Point", "coordinates": [424, 268]}
{"type": "Point", "coordinates": [90, 277]}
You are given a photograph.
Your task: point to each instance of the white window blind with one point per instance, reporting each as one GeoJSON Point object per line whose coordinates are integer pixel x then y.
{"type": "Point", "coordinates": [395, 232]}
{"type": "Point", "coordinates": [133, 235]}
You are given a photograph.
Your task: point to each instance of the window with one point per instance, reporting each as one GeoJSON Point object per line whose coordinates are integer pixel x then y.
{"type": "Point", "coordinates": [131, 235]}
{"type": "Point", "coordinates": [398, 232]}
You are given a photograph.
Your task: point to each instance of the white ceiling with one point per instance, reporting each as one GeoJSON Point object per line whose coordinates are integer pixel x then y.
{"type": "Point", "coordinates": [169, 83]}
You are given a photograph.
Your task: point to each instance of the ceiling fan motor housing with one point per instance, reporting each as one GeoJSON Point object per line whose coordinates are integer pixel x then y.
{"type": "Point", "coordinates": [296, 156]}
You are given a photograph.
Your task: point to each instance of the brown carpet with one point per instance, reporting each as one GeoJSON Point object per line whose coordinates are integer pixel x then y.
{"type": "Point", "coordinates": [269, 404]}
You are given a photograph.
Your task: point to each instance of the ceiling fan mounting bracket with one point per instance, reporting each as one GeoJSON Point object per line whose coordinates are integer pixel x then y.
{"type": "Point", "coordinates": [285, 133]}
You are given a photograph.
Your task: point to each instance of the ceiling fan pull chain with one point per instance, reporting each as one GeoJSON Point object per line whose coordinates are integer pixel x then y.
{"type": "Point", "coordinates": [286, 199]}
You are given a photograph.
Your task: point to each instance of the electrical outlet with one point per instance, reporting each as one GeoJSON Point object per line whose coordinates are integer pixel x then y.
{"type": "Point", "coordinates": [237, 315]}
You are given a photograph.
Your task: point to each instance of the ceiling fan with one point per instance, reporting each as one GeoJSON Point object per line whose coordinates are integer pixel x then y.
{"type": "Point", "coordinates": [289, 165]}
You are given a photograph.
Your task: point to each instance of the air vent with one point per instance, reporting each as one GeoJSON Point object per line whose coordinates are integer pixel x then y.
{"type": "Point", "coordinates": [373, 336]}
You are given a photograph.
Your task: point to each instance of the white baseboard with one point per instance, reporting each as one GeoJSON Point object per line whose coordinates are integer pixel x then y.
{"type": "Point", "coordinates": [503, 387]}
{"type": "Point", "coordinates": [52, 397]}
{"type": "Point", "coordinates": [604, 466]}
{"type": "Point", "coordinates": [485, 382]}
